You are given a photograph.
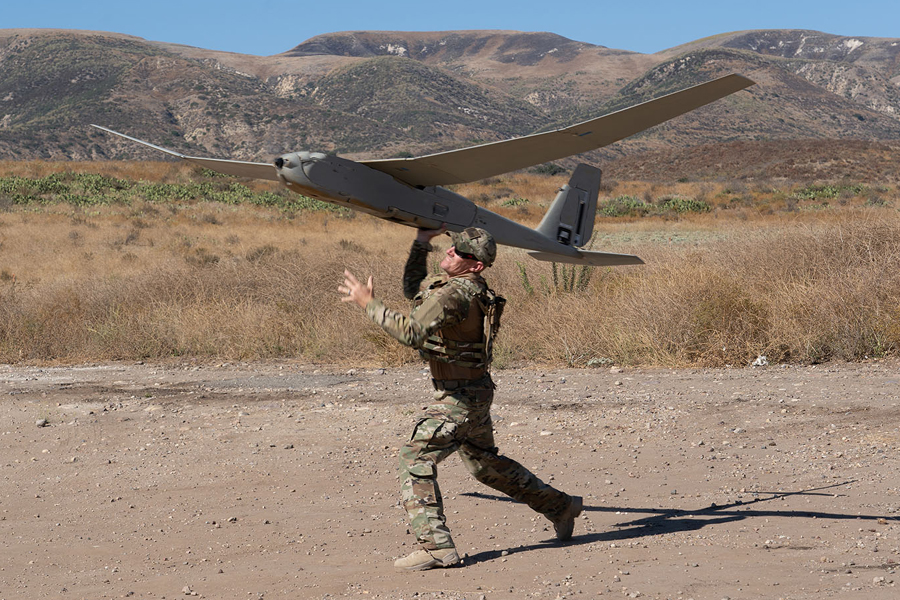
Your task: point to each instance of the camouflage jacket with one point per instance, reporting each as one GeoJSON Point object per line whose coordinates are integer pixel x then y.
{"type": "Point", "coordinates": [446, 311]}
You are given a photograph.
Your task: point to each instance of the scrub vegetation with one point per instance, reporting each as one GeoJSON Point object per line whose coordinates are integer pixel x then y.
{"type": "Point", "coordinates": [118, 261]}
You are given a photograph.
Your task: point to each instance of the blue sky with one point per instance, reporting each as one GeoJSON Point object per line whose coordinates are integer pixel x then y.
{"type": "Point", "coordinates": [266, 28]}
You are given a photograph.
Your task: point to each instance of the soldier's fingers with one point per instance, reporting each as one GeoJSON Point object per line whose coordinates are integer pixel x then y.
{"type": "Point", "coordinates": [349, 277]}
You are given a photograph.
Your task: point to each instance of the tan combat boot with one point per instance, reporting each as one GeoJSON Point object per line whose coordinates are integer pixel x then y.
{"type": "Point", "coordinates": [564, 525]}
{"type": "Point", "coordinates": [428, 559]}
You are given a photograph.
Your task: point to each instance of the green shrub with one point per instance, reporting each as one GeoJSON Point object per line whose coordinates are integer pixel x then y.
{"type": "Point", "coordinates": [683, 205]}
{"type": "Point", "coordinates": [623, 206]}
{"type": "Point", "coordinates": [88, 189]}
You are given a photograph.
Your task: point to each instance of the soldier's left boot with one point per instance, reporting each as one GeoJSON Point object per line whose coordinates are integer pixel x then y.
{"type": "Point", "coordinates": [428, 559]}
{"type": "Point", "coordinates": [564, 525]}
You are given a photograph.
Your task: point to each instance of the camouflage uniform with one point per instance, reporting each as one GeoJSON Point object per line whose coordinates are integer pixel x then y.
{"type": "Point", "coordinates": [447, 314]}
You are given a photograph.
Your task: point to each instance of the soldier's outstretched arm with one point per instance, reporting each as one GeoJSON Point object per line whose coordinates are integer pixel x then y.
{"type": "Point", "coordinates": [417, 264]}
{"type": "Point", "coordinates": [405, 329]}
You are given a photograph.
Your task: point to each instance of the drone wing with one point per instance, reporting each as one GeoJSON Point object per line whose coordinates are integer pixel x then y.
{"type": "Point", "coordinates": [238, 168]}
{"type": "Point", "coordinates": [477, 162]}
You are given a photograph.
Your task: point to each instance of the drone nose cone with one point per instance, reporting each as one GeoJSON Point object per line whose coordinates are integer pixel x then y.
{"type": "Point", "coordinates": [288, 161]}
{"type": "Point", "coordinates": [291, 169]}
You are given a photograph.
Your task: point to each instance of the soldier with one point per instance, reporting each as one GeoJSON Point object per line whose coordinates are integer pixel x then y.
{"type": "Point", "coordinates": [452, 324]}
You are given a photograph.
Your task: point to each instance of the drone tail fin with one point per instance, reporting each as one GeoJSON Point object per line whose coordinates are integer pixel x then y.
{"type": "Point", "coordinates": [570, 223]}
{"type": "Point", "coordinates": [570, 219]}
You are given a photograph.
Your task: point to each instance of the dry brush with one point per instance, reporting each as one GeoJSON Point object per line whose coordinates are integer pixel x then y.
{"type": "Point", "coordinates": [213, 281]}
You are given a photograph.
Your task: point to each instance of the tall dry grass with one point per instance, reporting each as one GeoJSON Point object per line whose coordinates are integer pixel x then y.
{"type": "Point", "coordinates": [207, 281]}
{"type": "Point", "coordinates": [218, 282]}
{"type": "Point", "coordinates": [797, 292]}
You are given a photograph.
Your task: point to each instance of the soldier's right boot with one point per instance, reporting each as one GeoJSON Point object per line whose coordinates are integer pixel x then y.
{"type": "Point", "coordinates": [564, 525]}
{"type": "Point", "coordinates": [428, 559]}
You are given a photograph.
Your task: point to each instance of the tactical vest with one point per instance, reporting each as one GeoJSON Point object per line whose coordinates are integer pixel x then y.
{"type": "Point", "coordinates": [472, 355]}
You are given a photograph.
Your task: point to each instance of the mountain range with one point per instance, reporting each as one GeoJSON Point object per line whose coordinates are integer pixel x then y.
{"type": "Point", "coordinates": [388, 94]}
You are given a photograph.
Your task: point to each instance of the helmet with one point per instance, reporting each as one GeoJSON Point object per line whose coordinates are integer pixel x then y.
{"type": "Point", "coordinates": [477, 242]}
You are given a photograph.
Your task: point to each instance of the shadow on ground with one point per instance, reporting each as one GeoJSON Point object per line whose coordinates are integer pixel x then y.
{"type": "Point", "coordinates": [660, 521]}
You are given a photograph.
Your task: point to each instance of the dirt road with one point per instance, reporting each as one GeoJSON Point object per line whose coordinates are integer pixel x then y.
{"type": "Point", "coordinates": [278, 480]}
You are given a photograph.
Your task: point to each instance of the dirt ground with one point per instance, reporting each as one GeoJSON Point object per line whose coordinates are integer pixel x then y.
{"type": "Point", "coordinates": [278, 480]}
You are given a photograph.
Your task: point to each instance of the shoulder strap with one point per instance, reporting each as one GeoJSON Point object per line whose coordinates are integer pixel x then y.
{"type": "Point", "coordinates": [472, 288]}
{"type": "Point", "coordinates": [492, 306]}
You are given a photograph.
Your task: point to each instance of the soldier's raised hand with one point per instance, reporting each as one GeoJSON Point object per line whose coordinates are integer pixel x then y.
{"type": "Point", "coordinates": [355, 291]}
{"type": "Point", "coordinates": [424, 236]}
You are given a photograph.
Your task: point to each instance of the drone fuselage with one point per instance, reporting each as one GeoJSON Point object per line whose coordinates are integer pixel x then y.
{"type": "Point", "coordinates": [358, 187]}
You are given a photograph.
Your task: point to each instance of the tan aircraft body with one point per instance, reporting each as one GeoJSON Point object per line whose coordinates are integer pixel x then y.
{"type": "Point", "coordinates": [408, 190]}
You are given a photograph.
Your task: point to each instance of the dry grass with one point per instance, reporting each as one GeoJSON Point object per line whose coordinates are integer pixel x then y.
{"type": "Point", "coordinates": [210, 281]}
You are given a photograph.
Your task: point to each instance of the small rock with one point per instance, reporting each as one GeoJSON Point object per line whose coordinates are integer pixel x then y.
{"type": "Point", "coordinates": [42, 423]}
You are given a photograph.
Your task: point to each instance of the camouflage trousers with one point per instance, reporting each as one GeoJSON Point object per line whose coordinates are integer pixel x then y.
{"type": "Point", "coordinates": [460, 421]}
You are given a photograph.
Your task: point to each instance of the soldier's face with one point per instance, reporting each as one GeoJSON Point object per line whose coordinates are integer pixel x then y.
{"type": "Point", "coordinates": [454, 264]}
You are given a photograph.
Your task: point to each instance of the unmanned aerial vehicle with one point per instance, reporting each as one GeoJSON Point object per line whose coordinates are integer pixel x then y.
{"type": "Point", "coordinates": [408, 190]}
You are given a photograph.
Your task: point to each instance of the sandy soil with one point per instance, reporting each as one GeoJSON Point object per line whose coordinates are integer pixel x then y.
{"type": "Point", "coordinates": [278, 480]}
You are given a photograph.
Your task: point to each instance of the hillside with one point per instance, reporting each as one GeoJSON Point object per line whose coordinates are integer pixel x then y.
{"type": "Point", "coordinates": [864, 70]}
{"type": "Point", "coordinates": [791, 160]}
{"type": "Point", "coordinates": [399, 93]}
